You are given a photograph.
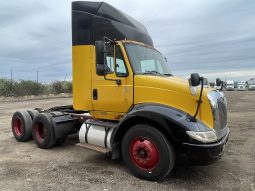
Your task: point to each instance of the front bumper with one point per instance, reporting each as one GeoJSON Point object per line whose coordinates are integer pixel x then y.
{"type": "Point", "coordinates": [230, 88]}
{"type": "Point", "coordinates": [206, 152]}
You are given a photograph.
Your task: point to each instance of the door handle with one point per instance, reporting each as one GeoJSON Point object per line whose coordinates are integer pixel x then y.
{"type": "Point", "coordinates": [95, 96]}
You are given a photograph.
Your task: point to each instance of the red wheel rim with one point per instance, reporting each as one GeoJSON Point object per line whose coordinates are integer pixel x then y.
{"type": "Point", "coordinates": [18, 127]}
{"type": "Point", "coordinates": [144, 153]}
{"type": "Point", "coordinates": [40, 132]}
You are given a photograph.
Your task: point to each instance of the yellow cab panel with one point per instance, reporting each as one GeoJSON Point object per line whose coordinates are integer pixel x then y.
{"type": "Point", "coordinates": [113, 100]}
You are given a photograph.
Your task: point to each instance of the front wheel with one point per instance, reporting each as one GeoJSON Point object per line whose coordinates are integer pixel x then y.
{"type": "Point", "coordinates": [147, 152]}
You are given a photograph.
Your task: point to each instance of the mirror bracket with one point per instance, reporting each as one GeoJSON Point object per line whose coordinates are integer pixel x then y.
{"type": "Point", "coordinates": [195, 80]}
{"type": "Point", "coordinates": [101, 58]}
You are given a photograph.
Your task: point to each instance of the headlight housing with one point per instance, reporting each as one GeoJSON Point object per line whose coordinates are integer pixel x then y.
{"type": "Point", "coordinates": [203, 136]}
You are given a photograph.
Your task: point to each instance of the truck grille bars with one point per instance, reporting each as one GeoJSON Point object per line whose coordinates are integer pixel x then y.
{"type": "Point", "coordinates": [222, 109]}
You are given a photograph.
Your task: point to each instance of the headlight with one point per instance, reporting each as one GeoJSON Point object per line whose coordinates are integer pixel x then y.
{"type": "Point", "coordinates": [204, 137]}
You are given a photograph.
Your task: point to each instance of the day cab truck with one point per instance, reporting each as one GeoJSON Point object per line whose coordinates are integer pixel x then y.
{"type": "Point", "coordinates": [251, 84]}
{"type": "Point", "coordinates": [126, 102]}
{"type": "Point", "coordinates": [241, 86]}
{"type": "Point", "coordinates": [230, 85]}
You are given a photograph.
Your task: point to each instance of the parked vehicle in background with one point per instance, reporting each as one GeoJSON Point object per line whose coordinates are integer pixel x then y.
{"type": "Point", "coordinates": [230, 85]}
{"type": "Point", "coordinates": [251, 84]}
{"type": "Point", "coordinates": [241, 86]}
{"type": "Point", "coordinates": [235, 84]}
{"type": "Point", "coordinates": [219, 85]}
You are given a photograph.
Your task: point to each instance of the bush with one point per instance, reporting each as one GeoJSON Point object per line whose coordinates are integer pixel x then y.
{"type": "Point", "coordinates": [57, 87]}
{"type": "Point", "coordinates": [28, 87]}
{"type": "Point", "coordinates": [6, 87]}
{"type": "Point", "coordinates": [68, 87]}
{"type": "Point", "coordinates": [61, 87]}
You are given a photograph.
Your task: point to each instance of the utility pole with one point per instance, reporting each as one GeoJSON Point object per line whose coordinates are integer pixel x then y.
{"type": "Point", "coordinates": [11, 83]}
{"type": "Point", "coordinates": [37, 74]}
{"type": "Point", "coordinates": [65, 77]}
{"type": "Point", "coordinates": [11, 76]}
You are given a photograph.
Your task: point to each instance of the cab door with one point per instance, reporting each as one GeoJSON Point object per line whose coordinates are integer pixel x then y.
{"type": "Point", "coordinates": [111, 96]}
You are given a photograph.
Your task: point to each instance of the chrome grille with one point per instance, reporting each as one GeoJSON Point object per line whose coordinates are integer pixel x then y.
{"type": "Point", "coordinates": [222, 112]}
{"type": "Point", "coordinates": [219, 108]}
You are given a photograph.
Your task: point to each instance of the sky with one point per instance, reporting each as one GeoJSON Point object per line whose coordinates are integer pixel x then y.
{"type": "Point", "coordinates": [215, 38]}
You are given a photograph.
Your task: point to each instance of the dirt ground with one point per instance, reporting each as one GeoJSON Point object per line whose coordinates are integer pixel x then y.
{"type": "Point", "coordinates": [23, 166]}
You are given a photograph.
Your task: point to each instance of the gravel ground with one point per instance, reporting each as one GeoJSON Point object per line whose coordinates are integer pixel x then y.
{"type": "Point", "coordinates": [23, 166]}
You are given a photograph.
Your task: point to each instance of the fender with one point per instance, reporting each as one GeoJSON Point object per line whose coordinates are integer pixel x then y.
{"type": "Point", "coordinates": [169, 120]}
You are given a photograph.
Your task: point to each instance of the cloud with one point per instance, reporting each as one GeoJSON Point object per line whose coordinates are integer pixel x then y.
{"type": "Point", "coordinates": [210, 37]}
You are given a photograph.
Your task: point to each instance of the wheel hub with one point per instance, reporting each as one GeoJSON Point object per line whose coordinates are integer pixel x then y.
{"type": "Point", "coordinates": [40, 132]}
{"type": "Point", "coordinates": [144, 153]}
{"type": "Point", "coordinates": [18, 128]}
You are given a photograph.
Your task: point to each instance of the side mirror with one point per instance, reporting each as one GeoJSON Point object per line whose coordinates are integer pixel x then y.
{"type": "Point", "coordinates": [100, 58]}
{"type": "Point", "coordinates": [194, 79]}
{"type": "Point", "coordinates": [218, 81]}
{"type": "Point", "coordinates": [101, 70]}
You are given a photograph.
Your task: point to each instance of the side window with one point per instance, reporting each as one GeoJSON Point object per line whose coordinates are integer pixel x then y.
{"type": "Point", "coordinates": [109, 60]}
{"type": "Point", "coordinates": [121, 70]}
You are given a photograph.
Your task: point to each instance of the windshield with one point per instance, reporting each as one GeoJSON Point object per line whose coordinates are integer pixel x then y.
{"type": "Point", "coordinates": [145, 60]}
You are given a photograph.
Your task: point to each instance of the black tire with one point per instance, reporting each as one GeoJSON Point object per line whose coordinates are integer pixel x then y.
{"type": "Point", "coordinates": [154, 168]}
{"type": "Point", "coordinates": [21, 126]}
{"type": "Point", "coordinates": [43, 132]}
{"type": "Point", "coordinates": [33, 113]}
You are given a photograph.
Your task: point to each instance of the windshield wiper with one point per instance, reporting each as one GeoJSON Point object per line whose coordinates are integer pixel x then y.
{"type": "Point", "coordinates": [154, 72]}
{"type": "Point", "coordinates": [167, 74]}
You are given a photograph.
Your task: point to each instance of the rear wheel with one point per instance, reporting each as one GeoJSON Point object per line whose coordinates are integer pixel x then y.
{"type": "Point", "coordinates": [33, 113]}
{"type": "Point", "coordinates": [147, 152]}
{"type": "Point", "coordinates": [42, 131]}
{"type": "Point", "coordinates": [21, 126]}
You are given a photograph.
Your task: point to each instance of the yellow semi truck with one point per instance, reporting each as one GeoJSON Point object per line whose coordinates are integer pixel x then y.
{"type": "Point", "coordinates": [126, 102]}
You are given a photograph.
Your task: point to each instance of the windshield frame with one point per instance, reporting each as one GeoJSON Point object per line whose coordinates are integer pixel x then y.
{"type": "Point", "coordinates": [146, 46]}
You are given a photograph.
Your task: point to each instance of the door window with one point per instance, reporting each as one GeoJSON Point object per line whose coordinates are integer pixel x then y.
{"type": "Point", "coordinates": [121, 70]}
{"type": "Point", "coordinates": [109, 60]}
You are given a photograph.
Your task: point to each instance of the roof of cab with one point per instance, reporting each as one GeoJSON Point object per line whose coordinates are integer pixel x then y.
{"type": "Point", "coordinates": [92, 21]}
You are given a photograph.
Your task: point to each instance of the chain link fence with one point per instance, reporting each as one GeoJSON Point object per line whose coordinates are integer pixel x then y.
{"type": "Point", "coordinates": [12, 88]}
